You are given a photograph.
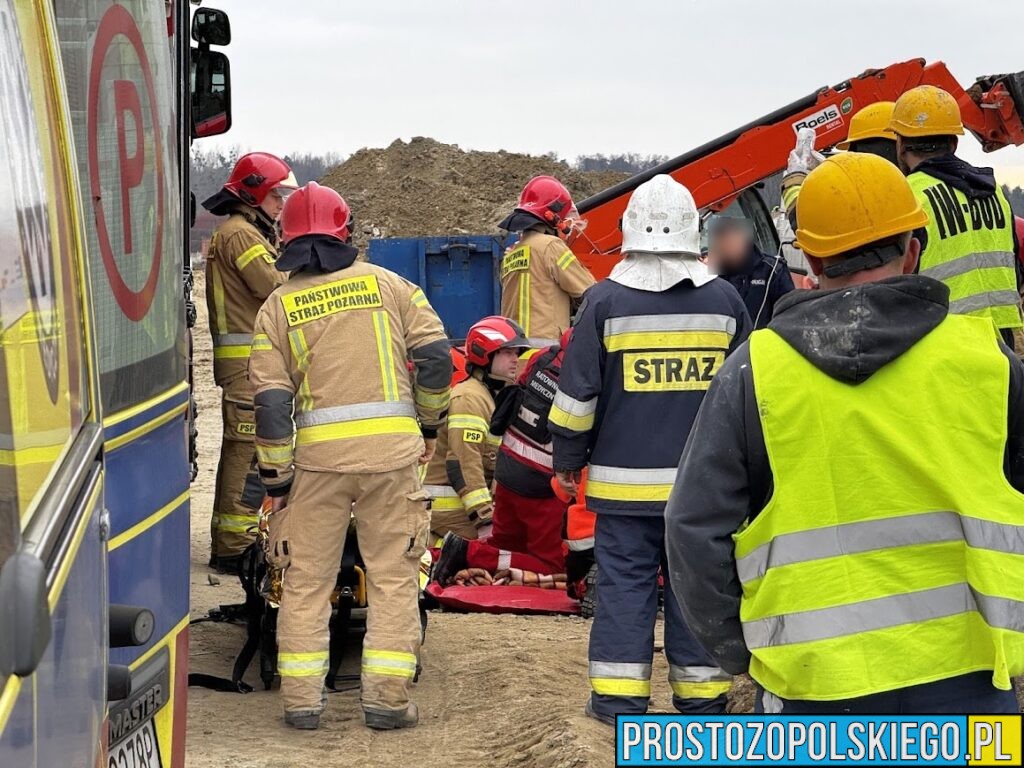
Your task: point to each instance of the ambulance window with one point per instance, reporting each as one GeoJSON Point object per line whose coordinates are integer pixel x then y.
{"type": "Point", "coordinates": [43, 398]}
{"type": "Point", "coordinates": [119, 84]}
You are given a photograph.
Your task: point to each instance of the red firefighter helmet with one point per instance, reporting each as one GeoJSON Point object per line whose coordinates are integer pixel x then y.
{"type": "Point", "coordinates": [316, 210]}
{"type": "Point", "coordinates": [255, 174]}
{"type": "Point", "coordinates": [547, 198]}
{"type": "Point", "coordinates": [459, 373]}
{"type": "Point", "coordinates": [489, 335]}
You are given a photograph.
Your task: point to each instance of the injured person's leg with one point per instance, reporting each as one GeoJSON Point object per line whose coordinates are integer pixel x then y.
{"type": "Point", "coordinates": [477, 562]}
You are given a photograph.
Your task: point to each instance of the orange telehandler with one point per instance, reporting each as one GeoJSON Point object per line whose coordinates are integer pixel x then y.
{"type": "Point", "coordinates": [723, 173]}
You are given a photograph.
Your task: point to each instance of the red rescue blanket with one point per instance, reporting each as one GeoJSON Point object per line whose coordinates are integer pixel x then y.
{"type": "Point", "coordinates": [503, 599]}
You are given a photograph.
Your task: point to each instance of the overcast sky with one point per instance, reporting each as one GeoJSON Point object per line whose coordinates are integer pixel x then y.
{"type": "Point", "coordinates": [650, 76]}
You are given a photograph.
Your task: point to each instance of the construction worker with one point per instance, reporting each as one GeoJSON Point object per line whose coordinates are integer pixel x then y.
{"type": "Point", "coordinates": [646, 344]}
{"type": "Point", "coordinates": [240, 274]}
{"type": "Point", "coordinates": [540, 276]}
{"type": "Point", "coordinates": [760, 279]}
{"type": "Point", "coordinates": [842, 522]}
{"type": "Point", "coordinates": [969, 243]}
{"type": "Point", "coordinates": [459, 477]}
{"type": "Point", "coordinates": [340, 431]}
{"type": "Point", "coordinates": [869, 132]}
{"type": "Point", "coordinates": [528, 516]}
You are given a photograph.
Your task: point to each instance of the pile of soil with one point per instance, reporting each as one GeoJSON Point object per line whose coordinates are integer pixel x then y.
{"type": "Point", "coordinates": [425, 187]}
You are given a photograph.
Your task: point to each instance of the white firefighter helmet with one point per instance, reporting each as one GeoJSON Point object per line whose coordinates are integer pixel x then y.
{"type": "Point", "coordinates": [661, 217]}
{"type": "Point", "coordinates": [660, 238]}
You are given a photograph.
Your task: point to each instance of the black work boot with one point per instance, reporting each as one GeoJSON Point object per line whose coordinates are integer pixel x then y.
{"type": "Point", "coordinates": [452, 559]}
{"type": "Point", "coordinates": [389, 720]}
{"type": "Point", "coordinates": [606, 719]}
{"type": "Point", "coordinates": [303, 719]}
{"type": "Point", "coordinates": [227, 564]}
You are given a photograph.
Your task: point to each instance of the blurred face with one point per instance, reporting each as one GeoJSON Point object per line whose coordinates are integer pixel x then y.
{"type": "Point", "coordinates": [273, 203]}
{"type": "Point", "coordinates": [728, 250]}
{"type": "Point", "coordinates": [503, 364]}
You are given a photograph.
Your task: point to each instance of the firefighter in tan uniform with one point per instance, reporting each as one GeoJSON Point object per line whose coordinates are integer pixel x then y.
{"type": "Point", "coordinates": [459, 476]}
{"type": "Point", "coordinates": [540, 276]}
{"type": "Point", "coordinates": [341, 429]}
{"type": "Point", "coordinates": [240, 274]}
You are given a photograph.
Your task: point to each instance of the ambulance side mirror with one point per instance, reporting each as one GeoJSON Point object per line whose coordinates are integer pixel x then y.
{"type": "Point", "coordinates": [211, 93]}
{"type": "Point", "coordinates": [25, 626]}
{"type": "Point", "coordinates": [211, 27]}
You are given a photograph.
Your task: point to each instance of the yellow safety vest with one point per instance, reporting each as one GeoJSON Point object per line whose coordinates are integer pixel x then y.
{"type": "Point", "coordinates": [891, 552]}
{"type": "Point", "coordinates": [970, 249]}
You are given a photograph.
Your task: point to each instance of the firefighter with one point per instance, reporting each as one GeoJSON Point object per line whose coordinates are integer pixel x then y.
{"type": "Point", "coordinates": [460, 475]}
{"type": "Point", "coordinates": [760, 279]}
{"type": "Point", "coordinates": [969, 242]}
{"type": "Point", "coordinates": [646, 344]}
{"type": "Point", "coordinates": [528, 516]}
{"type": "Point", "coordinates": [328, 367]}
{"type": "Point", "coordinates": [540, 276]}
{"type": "Point", "coordinates": [240, 274]}
{"type": "Point", "coordinates": [872, 564]}
{"type": "Point", "coordinates": [869, 132]}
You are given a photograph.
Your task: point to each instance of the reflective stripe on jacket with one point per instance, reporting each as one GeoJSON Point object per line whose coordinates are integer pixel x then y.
{"type": "Point", "coordinates": [329, 365]}
{"type": "Point", "coordinates": [631, 383]}
{"type": "Point", "coordinates": [240, 275]}
{"type": "Point", "coordinates": [539, 278]}
{"type": "Point", "coordinates": [970, 248]}
{"type": "Point", "coordinates": [906, 565]}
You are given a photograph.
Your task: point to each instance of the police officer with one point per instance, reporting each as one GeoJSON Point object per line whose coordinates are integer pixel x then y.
{"type": "Point", "coordinates": [340, 430]}
{"type": "Point", "coordinates": [872, 564]}
{"type": "Point", "coordinates": [460, 476]}
{"type": "Point", "coordinates": [646, 344]}
{"type": "Point", "coordinates": [969, 242]}
{"type": "Point", "coordinates": [240, 274]}
{"type": "Point", "coordinates": [760, 279]}
{"type": "Point", "coordinates": [540, 276]}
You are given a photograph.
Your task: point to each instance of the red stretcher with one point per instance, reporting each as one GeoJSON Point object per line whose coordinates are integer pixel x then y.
{"type": "Point", "coordinates": [504, 599]}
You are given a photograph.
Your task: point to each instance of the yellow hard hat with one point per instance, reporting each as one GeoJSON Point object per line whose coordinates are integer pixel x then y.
{"type": "Point", "coordinates": [872, 122]}
{"type": "Point", "coordinates": [926, 111]}
{"type": "Point", "coordinates": [852, 199]}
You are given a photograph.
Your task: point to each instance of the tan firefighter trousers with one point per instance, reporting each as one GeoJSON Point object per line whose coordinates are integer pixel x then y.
{"type": "Point", "coordinates": [239, 490]}
{"type": "Point", "coordinates": [307, 538]}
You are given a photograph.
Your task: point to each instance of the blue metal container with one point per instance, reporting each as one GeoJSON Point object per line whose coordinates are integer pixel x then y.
{"type": "Point", "coordinates": [459, 274]}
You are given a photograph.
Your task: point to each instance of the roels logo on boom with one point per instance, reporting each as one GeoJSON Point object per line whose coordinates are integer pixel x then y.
{"type": "Point", "coordinates": [823, 120]}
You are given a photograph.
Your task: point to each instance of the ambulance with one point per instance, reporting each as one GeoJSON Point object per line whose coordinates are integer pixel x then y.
{"type": "Point", "coordinates": [99, 101]}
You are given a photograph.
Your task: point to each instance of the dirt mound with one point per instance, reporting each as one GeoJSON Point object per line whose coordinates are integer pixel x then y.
{"type": "Point", "coordinates": [424, 187]}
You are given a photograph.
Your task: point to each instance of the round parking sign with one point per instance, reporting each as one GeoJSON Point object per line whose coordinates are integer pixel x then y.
{"type": "Point", "coordinates": [133, 140]}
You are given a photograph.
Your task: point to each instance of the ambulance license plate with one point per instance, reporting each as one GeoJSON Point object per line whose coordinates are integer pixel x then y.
{"type": "Point", "coordinates": [139, 750]}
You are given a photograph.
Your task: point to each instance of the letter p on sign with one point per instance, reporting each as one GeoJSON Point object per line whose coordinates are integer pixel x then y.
{"type": "Point", "coordinates": [126, 99]}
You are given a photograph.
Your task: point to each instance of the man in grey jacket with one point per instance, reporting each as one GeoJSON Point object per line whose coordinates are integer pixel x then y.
{"type": "Point", "coordinates": [840, 525]}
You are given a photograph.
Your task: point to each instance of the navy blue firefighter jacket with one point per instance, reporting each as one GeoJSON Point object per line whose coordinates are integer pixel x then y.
{"type": "Point", "coordinates": [632, 381]}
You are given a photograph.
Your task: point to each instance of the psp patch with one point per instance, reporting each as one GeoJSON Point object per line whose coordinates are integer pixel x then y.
{"type": "Point", "coordinates": [330, 298]}
{"type": "Point", "coordinates": [472, 436]}
{"type": "Point", "coordinates": [516, 260]}
{"type": "Point", "coordinates": [246, 428]}
{"type": "Point", "coordinates": [672, 371]}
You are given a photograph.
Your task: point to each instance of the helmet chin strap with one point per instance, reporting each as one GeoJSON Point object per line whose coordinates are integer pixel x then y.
{"type": "Point", "coordinates": [493, 382]}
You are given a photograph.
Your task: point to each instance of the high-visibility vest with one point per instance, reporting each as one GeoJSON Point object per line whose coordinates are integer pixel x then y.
{"type": "Point", "coordinates": [891, 552]}
{"type": "Point", "coordinates": [970, 249]}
